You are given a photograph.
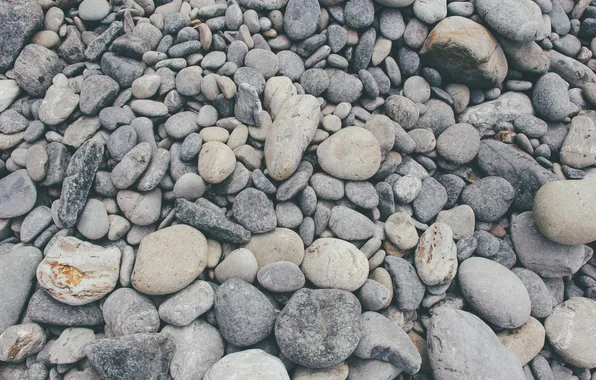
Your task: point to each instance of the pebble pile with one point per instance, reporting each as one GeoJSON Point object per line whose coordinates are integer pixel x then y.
{"type": "Point", "coordinates": [297, 189]}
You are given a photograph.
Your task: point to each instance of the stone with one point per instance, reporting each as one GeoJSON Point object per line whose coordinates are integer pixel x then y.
{"type": "Point", "coordinates": [305, 330]}
{"type": "Point", "coordinates": [24, 19]}
{"type": "Point", "coordinates": [37, 162]}
{"type": "Point", "coordinates": [35, 223]}
{"type": "Point", "coordinates": [542, 302]}
{"type": "Point", "coordinates": [525, 56]}
{"type": "Point", "coordinates": [216, 162]}
{"type": "Point", "coordinates": [565, 210]}
{"type": "Point", "coordinates": [254, 211]}
{"type": "Point", "coordinates": [98, 92]}
{"type": "Point", "coordinates": [430, 11]}
{"type": "Point", "coordinates": [141, 209]}
{"type": "Point", "coordinates": [408, 289]}
{"type": "Point", "coordinates": [301, 18]}
{"type": "Point", "coordinates": [210, 219]}
{"type": "Point", "coordinates": [459, 143]}
{"type": "Point", "coordinates": [17, 277]}
{"type": "Point", "coordinates": [336, 372]}
{"type": "Point", "coordinates": [541, 255]}
{"type": "Point", "coordinates": [334, 263]}
{"type": "Point", "coordinates": [519, 21]}
{"type": "Point", "coordinates": [436, 255]}
{"type": "Point", "coordinates": [568, 331]}
{"type": "Point", "coordinates": [457, 345]}
{"type": "Point", "coordinates": [495, 292]}
{"type": "Point", "coordinates": [132, 357]}
{"type": "Point", "coordinates": [281, 244]}
{"type": "Point", "coordinates": [486, 65]}
{"type": "Point", "coordinates": [489, 197]}
{"type": "Point", "coordinates": [572, 71]}
{"type": "Point", "coordinates": [77, 273]}
{"type": "Point", "coordinates": [281, 276]}
{"type": "Point", "coordinates": [156, 274]}
{"type": "Point", "coordinates": [526, 341]}
{"type": "Point", "coordinates": [349, 224]}
{"type": "Point", "coordinates": [198, 346]}
{"type": "Point", "coordinates": [127, 311]}
{"type": "Point", "coordinates": [371, 369]}
{"type": "Point", "coordinates": [93, 222]}
{"type": "Point", "coordinates": [250, 364]}
{"type": "Point", "coordinates": [297, 121]}
{"type": "Point", "coordinates": [17, 194]}
{"type": "Point", "coordinates": [9, 90]}
{"type": "Point", "coordinates": [19, 341]}
{"type": "Point", "coordinates": [519, 169]}
{"type": "Point", "coordinates": [461, 219]}
{"type": "Point", "coordinates": [264, 61]}
{"type": "Point", "coordinates": [343, 87]}
{"type": "Point", "coordinates": [244, 315]}
{"type": "Point", "coordinates": [550, 98]}
{"type": "Point", "coordinates": [69, 347]}
{"type": "Point", "coordinates": [383, 340]}
{"type": "Point", "coordinates": [44, 309]}
{"type": "Point", "coordinates": [240, 263]}
{"type": "Point", "coordinates": [132, 166]}
{"type": "Point", "coordinates": [93, 10]}
{"type": "Point", "coordinates": [400, 230]}
{"type": "Point", "coordinates": [35, 67]}
{"type": "Point", "coordinates": [577, 150]}
{"type": "Point", "coordinates": [430, 200]}
{"type": "Point", "coordinates": [360, 162]}
{"type": "Point", "coordinates": [123, 70]}
{"type": "Point", "coordinates": [12, 122]}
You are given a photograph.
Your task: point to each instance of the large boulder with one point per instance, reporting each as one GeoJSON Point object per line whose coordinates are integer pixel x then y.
{"type": "Point", "coordinates": [465, 51]}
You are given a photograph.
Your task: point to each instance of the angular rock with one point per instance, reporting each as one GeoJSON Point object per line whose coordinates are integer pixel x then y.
{"type": "Point", "coordinates": [35, 67]}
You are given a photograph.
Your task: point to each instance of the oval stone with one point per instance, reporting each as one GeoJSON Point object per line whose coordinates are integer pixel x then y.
{"type": "Point", "coordinates": [436, 255]}
{"type": "Point", "coordinates": [248, 365]}
{"type": "Point", "coordinates": [352, 153]}
{"type": "Point", "coordinates": [281, 244]}
{"type": "Point", "coordinates": [17, 194]}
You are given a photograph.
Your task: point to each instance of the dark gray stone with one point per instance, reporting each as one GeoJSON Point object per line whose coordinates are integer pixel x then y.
{"type": "Point", "coordinates": [540, 298]}
{"type": "Point", "coordinates": [12, 122]}
{"type": "Point", "coordinates": [58, 157]}
{"type": "Point", "coordinates": [489, 197]}
{"type": "Point", "coordinates": [431, 199]}
{"type": "Point", "coordinates": [122, 69]}
{"type": "Point", "coordinates": [254, 210]}
{"type": "Point", "coordinates": [21, 18]}
{"type": "Point", "coordinates": [408, 289]}
{"type": "Point", "coordinates": [35, 67]}
{"type": "Point", "coordinates": [343, 87]}
{"type": "Point", "coordinates": [45, 309]}
{"type": "Point", "coordinates": [98, 92]}
{"type": "Point", "coordinates": [301, 18]}
{"type": "Point", "coordinates": [364, 48]}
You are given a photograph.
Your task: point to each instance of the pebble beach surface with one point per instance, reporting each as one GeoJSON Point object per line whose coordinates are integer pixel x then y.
{"type": "Point", "coordinates": [297, 190]}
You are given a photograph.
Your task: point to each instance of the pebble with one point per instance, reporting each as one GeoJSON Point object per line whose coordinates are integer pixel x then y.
{"type": "Point", "coordinates": [18, 194]}
{"type": "Point", "coordinates": [254, 211]}
{"type": "Point", "coordinates": [349, 224]}
{"type": "Point", "coordinates": [281, 276]}
{"type": "Point", "coordinates": [127, 311]}
{"type": "Point", "coordinates": [576, 149]}
{"type": "Point", "coordinates": [141, 209]}
{"type": "Point", "coordinates": [240, 263]}
{"type": "Point", "coordinates": [436, 255]}
{"type": "Point", "coordinates": [518, 21]}
{"type": "Point", "coordinates": [69, 347]}
{"type": "Point", "coordinates": [400, 230]}
{"type": "Point", "coordinates": [182, 308]}
{"type": "Point", "coordinates": [155, 274]}
{"type": "Point", "coordinates": [301, 18]}
{"type": "Point", "coordinates": [281, 244]}
{"type": "Point", "coordinates": [309, 317]}
{"type": "Point", "coordinates": [407, 286]}
{"type": "Point", "coordinates": [494, 292]}
{"type": "Point", "coordinates": [430, 200]}
{"type": "Point", "coordinates": [76, 272]}
{"type": "Point", "coordinates": [550, 98]}
{"type": "Point", "coordinates": [526, 341]}
{"type": "Point", "coordinates": [541, 300]}
{"type": "Point", "coordinates": [93, 10]}
{"type": "Point", "coordinates": [93, 222]}
{"type": "Point", "coordinates": [216, 162]}
{"type": "Point", "coordinates": [459, 143]}
{"type": "Point", "coordinates": [249, 364]}
{"type": "Point", "coordinates": [327, 265]}
{"type": "Point", "coordinates": [19, 341]}
{"type": "Point", "coordinates": [489, 197]}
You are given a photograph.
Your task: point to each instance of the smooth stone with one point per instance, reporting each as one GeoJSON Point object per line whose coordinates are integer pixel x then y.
{"type": "Point", "coordinates": [155, 274]}
{"type": "Point", "coordinates": [457, 36]}
{"type": "Point", "coordinates": [198, 347]}
{"type": "Point", "coordinates": [254, 210]}
{"type": "Point", "coordinates": [17, 194]}
{"type": "Point", "coordinates": [216, 162]}
{"type": "Point", "coordinates": [489, 197]}
{"type": "Point", "coordinates": [569, 331]}
{"type": "Point", "coordinates": [526, 341]}
{"type": "Point", "coordinates": [93, 222]}
{"type": "Point", "coordinates": [35, 223]}
{"type": "Point", "coordinates": [9, 91]}
{"type": "Point", "coordinates": [250, 364]}
{"type": "Point", "coordinates": [430, 200]}
{"type": "Point", "coordinates": [459, 143]}
{"type": "Point", "coordinates": [69, 347]}
{"type": "Point", "coordinates": [360, 162]}
{"type": "Point", "coordinates": [281, 244]}
{"type": "Point", "coordinates": [19, 341]}
{"type": "Point", "coordinates": [542, 302]}
{"type": "Point", "coordinates": [93, 10]}
{"type": "Point", "coordinates": [461, 219]}
{"type": "Point", "coordinates": [301, 18]}
{"type": "Point", "coordinates": [281, 276]}
{"type": "Point", "coordinates": [296, 122]}
{"type": "Point", "coordinates": [127, 311]}
{"type": "Point", "coordinates": [361, 369]}
{"type": "Point", "coordinates": [44, 309]}
{"type": "Point", "coordinates": [76, 272]}
{"type": "Point", "coordinates": [132, 357]}
{"type": "Point", "coordinates": [343, 87]}
{"type": "Point", "coordinates": [550, 97]}
{"type": "Point", "coordinates": [240, 263]}
{"type": "Point", "coordinates": [244, 315]}
{"type": "Point", "coordinates": [141, 209]}
{"type": "Point", "coordinates": [541, 255]}
{"type": "Point", "coordinates": [349, 224]}
{"type": "Point", "coordinates": [305, 330]}
{"type": "Point", "coordinates": [436, 255]}
{"type": "Point", "coordinates": [98, 92]}
{"type": "Point", "coordinates": [132, 166]}
{"type": "Point", "coordinates": [577, 150]}
{"type": "Point", "coordinates": [565, 211]}
{"type": "Point", "coordinates": [37, 162]}
{"type": "Point", "coordinates": [34, 69]}
{"type": "Point", "coordinates": [519, 21]}
{"type": "Point", "coordinates": [400, 230]}
{"type": "Point", "coordinates": [495, 292]}
{"type": "Point", "coordinates": [430, 11]}
{"type": "Point", "coordinates": [58, 104]}
{"type": "Point", "coordinates": [457, 343]}
{"type": "Point", "coordinates": [17, 278]}
{"type": "Point", "coordinates": [408, 288]}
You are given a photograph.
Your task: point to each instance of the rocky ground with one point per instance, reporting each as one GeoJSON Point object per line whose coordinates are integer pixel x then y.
{"type": "Point", "coordinates": [297, 189]}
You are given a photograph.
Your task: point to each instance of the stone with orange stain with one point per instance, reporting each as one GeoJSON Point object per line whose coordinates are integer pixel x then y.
{"type": "Point", "coordinates": [466, 51]}
{"type": "Point", "coordinates": [19, 341]}
{"type": "Point", "coordinates": [420, 344]}
{"type": "Point", "coordinates": [436, 255]}
{"type": "Point", "coordinates": [76, 272]}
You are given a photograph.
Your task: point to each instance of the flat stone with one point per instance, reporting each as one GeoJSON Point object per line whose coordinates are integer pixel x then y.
{"type": "Point", "coordinates": [132, 166]}
{"type": "Point", "coordinates": [141, 209]}
{"type": "Point", "coordinates": [156, 274]}
{"type": "Point", "coordinates": [550, 98]}
{"type": "Point", "coordinates": [455, 36]}
{"type": "Point", "coordinates": [188, 304]}
{"type": "Point", "coordinates": [127, 311]}
{"type": "Point", "coordinates": [291, 133]}
{"type": "Point", "coordinates": [132, 357]}
{"type": "Point", "coordinates": [457, 343]}
{"type": "Point", "coordinates": [304, 330]}
{"type": "Point", "coordinates": [93, 10]}
{"type": "Point", "coordinates": [248, 364]}
{"type": "Point", "coordinates": [44, 309]}
{"type": "Point", "coordinates": [281, 276]}
{"type": "Point", "coordinates": [76, 272]}
{"type": "Point", "coordinates": [565, 211]}
{"type": "Point", "coordinates": [578, 147]}
{"type": "Point", "coordinates": [244, 315]}
{"type": "Point", "coordinates": [408, 289]}
{"type": "Point", "coordinates": [436, 255]}
{"type": "Point", "coordinates": [461, 219]}
{"type": "Point", "coordinates": [569, 333]}
{"type": "Point", "coordinates": [360, 162]}
{"type": "Point", "coordinates": [216, 162]}
{"type": "Point", "coordinates": [495, 292]}
{"type": "Point", "coordinates": [343, 87]}
{"type": "Point", "coordinates": [17, 194]}
{"type": "Point", "coordinates": [349, 224]}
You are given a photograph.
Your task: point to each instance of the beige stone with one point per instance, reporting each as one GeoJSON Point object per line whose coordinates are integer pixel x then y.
{"type": "Point", "coordinates": [526, 341]}
{"type": "Point", "coordinates": [281, 244]}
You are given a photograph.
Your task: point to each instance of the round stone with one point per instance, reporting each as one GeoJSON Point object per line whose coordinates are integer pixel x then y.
{"type": "Point", "coordinates": [93, 10]}
{"type": "Point", "coordinates": [459, 143]}
{"type": "Point", "coordinates": [565, 211]}
{"type": "Point", "coordinates": [93, 222]}
{"type": "Point", "coordinates": [352, 153]}
{"type": "Point", "coordinates": [281, 244]}
{"type": "Point", "coordinates": [216, 162]}
{"type": "Point", "coordinates": [281, 276]}
{"type": "Point", "coordinates": [489, 197]}
{"type": "Point", "coordinates": [307, 329]}
{"type": "Point", "coordinates": [417, 89]}
{"type": "Point", "coordinates": [570, 331]}
{"type": "Point", "coordinates": [17, 194]}
{"type": "Point", "coordinates": [400, 230]}
{"type": "Point", "coordinates": [526, 341]}
{"type": "Point", "coordinates": [335, 263]}
{"type": "Point", "coordinates": [156, 273]}
{"type": "Point", "coordinates": [76, 272]}
{"type": "Point", "coordinates": [495, 292]}
{"type": "Point", "coordinates": [251, 364]}
{"type": "Point", "coordinates": [19, 341]}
